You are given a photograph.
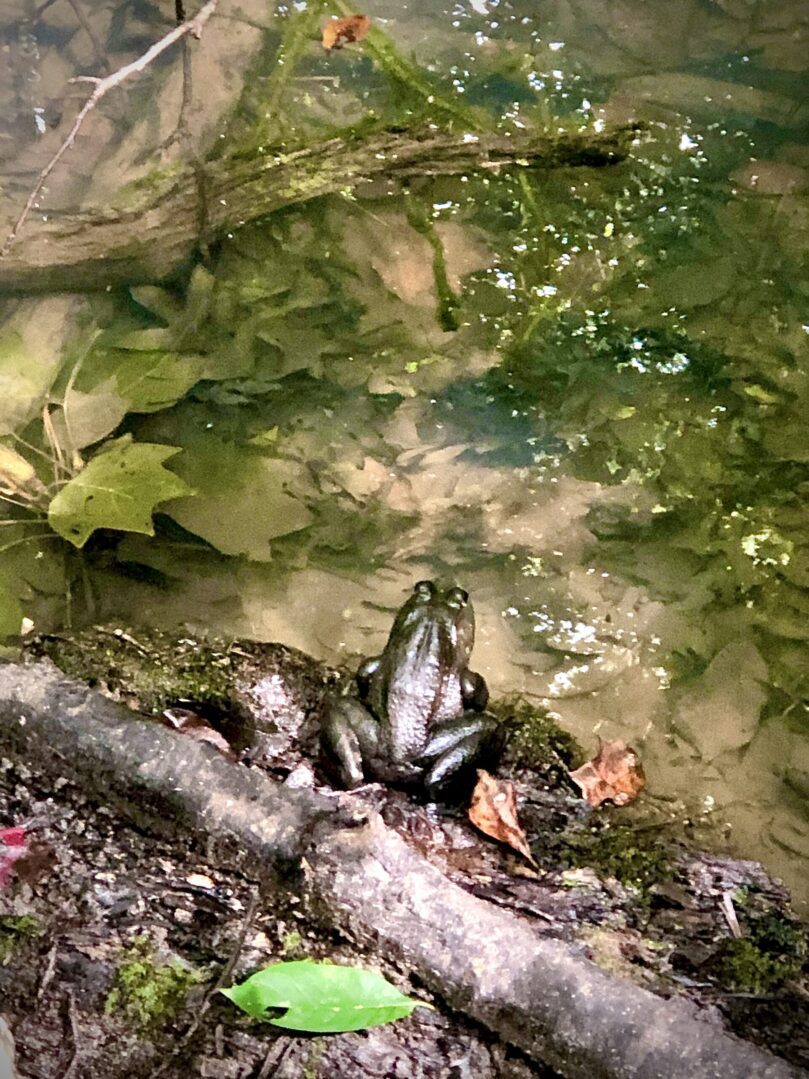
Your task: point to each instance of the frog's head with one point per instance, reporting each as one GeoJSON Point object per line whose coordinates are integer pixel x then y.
{"type": "Point", "coordinates": [440, 614]}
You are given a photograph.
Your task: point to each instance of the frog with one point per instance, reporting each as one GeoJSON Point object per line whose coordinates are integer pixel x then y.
{"type": "Point", "coordinates": [419, 715]}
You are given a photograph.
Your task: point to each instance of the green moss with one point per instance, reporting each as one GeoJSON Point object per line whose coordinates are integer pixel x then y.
{"type": "Point", "coordinates": [535, 740]}
{"type": "Point", "coordinates": [147, 992]}
{"type": "Point", "coordinates": [292, 945]}
{"type": "Point", "coordinates": [774, 951]}
{"type": "Point", "coordinates": [149, 669]}
{"type": "Point", "coordinates": [15, 930]}
{"type": "Point", "coordinates": [633, 856]}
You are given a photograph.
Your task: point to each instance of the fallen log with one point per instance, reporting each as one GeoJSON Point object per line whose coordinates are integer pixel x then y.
{"type": "Point", "coordinates": [363, 879]}
{"type": "Point", "coordinates": [161, 220]}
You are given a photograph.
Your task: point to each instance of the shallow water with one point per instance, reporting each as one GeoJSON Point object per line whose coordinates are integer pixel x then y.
{"type": "Point", "coordinates": [609, 452]}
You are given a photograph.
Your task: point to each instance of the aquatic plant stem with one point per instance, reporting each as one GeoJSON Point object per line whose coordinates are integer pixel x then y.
{"type": "Point", "coordinates": [102, 88]}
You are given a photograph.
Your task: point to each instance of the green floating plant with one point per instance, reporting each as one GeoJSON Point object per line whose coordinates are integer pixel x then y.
{"type": "Point", "coordinates": [321, 998]}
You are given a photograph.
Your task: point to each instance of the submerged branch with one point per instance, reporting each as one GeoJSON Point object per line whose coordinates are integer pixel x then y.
{"type": "Point", "coordinates": [102, 88]}
{"type": "Point", "coordinates": [159, 228]}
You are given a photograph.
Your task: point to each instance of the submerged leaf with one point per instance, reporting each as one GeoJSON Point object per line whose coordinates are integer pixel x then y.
{"type": "Point", "coordinates": [88, 417]}
{"type": "Point", "coordinates": [241, 502]}
{"type": "Point", "coordinates": [321, 997]}
{"type": "Point", "coordinates": [118, 488]}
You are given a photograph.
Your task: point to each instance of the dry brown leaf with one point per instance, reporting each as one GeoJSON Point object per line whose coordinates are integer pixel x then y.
{"type": "Point", "coordinates": [193, 726]}
{"type": "Point", "coordinates": [615, 773]}
{"type": "Point", "coordinates": [339, 32]}
{"type": "Point", "coordinates": [493, 809]}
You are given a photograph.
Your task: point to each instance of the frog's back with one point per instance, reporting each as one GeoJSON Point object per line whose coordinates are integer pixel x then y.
{"type": "Point", "coordinates": [422, 688]}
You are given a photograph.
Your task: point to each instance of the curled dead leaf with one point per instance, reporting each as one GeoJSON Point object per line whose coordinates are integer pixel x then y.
{"type": "Point", "coordinates": [493, 810]}
{"type": "Point", "coordinates": [614, 774]}
{"type": "Point", "coordinates": [193, 726]}
{"type": "Point", "coordinates": [339, 32]}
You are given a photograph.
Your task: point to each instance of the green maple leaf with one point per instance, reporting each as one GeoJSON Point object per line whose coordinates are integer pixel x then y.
{"type": "Point", "coordinates": [119, 488]}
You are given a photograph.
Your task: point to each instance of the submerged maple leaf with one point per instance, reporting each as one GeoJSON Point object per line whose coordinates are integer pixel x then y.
{"type": "Point", "coordinates": [614, 774]}
{"type": "Point", "coordinates": [339, 32]}
{"type": "Point", "coordinates": [493, 810]}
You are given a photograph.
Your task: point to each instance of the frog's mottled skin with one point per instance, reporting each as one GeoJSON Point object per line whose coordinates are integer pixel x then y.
{"type": "Point", "coordinates": [418, 720]}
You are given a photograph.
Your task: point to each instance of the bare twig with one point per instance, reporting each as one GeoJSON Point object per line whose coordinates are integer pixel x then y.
{"type": "Point", "coordinates": [275, 1056]}
{"type": "Point", "coordinates": [102, 88]}
{"type": "Point", "coordinates": [47, 975]}
{"type": "Point", "coordinates": [223, 979]}
{"type": "Point", "coordinates": [729, 912]}
{"type": "Point", "coordinates": [73, 1021]}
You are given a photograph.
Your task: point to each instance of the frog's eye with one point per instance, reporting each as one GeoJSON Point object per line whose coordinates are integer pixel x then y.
{"type": "Point", "coordinates": [457, 597]}
{"type": "Point", "coordinates": [424, 589]}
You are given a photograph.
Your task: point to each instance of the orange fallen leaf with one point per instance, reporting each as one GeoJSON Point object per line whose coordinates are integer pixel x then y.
{"type": "Point", "coordinates": [493, 809]}
{"type": "Point", "coordinates": [339, 32]}
{"type": "Point", "coordinates": [615, 773]}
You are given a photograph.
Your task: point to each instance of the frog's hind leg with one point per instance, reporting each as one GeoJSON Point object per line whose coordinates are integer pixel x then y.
{"type": "Point", "coordinates": [457, 744]}
{"type": "Point", "coordinates": [349, 735]}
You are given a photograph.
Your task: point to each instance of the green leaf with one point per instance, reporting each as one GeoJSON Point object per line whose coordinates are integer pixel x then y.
{"type": "Point", "coordinates": [118, 488]}
{"type": "Point", "coordinates": [321, 997]}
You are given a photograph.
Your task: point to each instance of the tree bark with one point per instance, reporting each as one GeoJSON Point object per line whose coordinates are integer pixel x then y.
{"type": "Point", "coordinates": [363, 879]}
{"type": "Point", "coordinates": [159, 223]}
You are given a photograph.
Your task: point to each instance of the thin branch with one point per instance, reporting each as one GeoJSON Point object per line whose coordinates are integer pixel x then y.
{"type": "Point", "coordinates": [73, 1022]}
{"type": "Point", "coordinates": [224, 977]}
{"type": "Point", "coordinates": [28, 539]}
{"type": "Point", "coordinates": [102, 88]}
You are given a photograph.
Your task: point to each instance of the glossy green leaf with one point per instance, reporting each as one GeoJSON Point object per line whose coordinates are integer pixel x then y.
{"type": "Point", "coordinates": [321, 997]}
{"type": "Point", "coordinates": [118, 488]}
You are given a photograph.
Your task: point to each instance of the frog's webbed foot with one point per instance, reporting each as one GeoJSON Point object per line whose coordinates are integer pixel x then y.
{"type": "Point", "coordinates": [349, 735]}
{"type": "Point", "coordinates": [474, 691]}
{"type": "Point", "coordinates": [457, 744]}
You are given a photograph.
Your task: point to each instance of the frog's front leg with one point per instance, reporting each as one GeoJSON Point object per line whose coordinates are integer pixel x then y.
{"type": "Point", "coordinates": [474, 691]}
{"type": "Point", "coordinates": [349, 736]}
{"type": "Point", "coordinates": [459, 743]}
{"type": "Point", "coordinates": [365, 672]}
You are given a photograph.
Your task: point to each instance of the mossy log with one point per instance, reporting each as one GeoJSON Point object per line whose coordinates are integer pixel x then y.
{"type": "Point", "coordinates": [158, 223]}
{"type": "Point", "coordinates": [364, 880]}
